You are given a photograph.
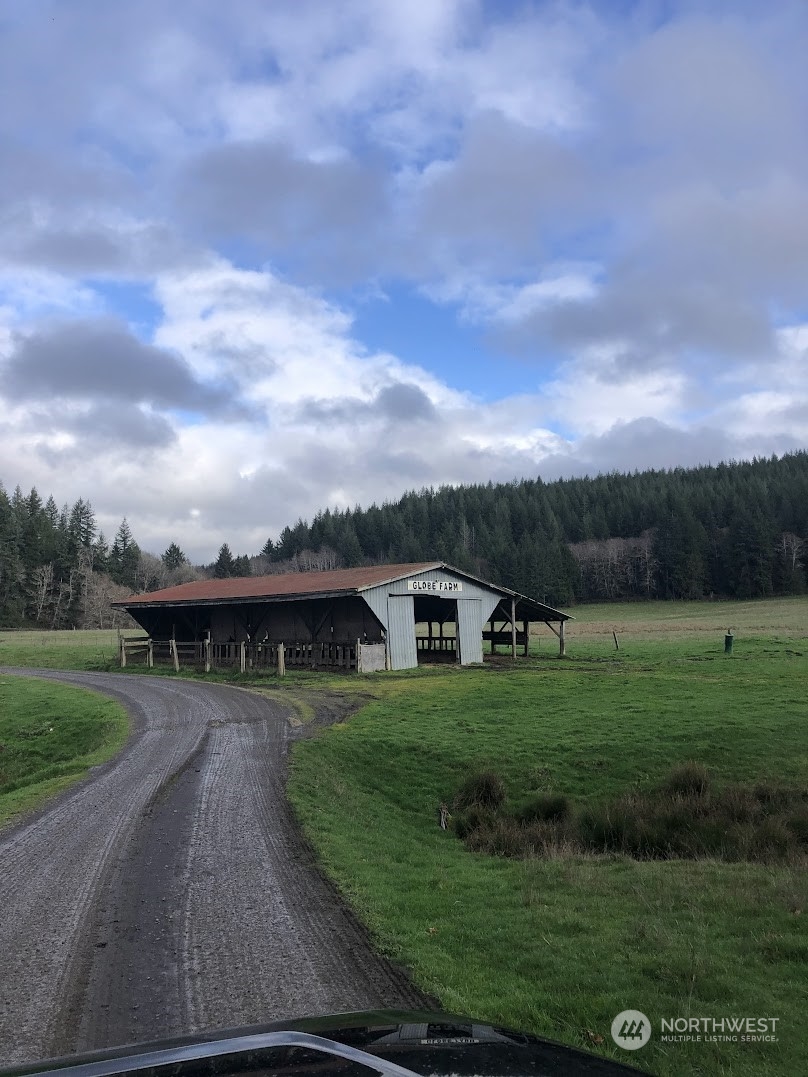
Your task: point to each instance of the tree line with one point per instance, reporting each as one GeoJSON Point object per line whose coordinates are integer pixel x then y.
{"type": "Point", "coordinates": [57, 569]}
{"type": "Point", "coordinates": [731, 530]}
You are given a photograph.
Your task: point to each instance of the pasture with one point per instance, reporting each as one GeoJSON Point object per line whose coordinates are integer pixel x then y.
{"type": "Point", "coordinates": [92, 649]}
{"type": "Point", "coordinates": [561, 944]}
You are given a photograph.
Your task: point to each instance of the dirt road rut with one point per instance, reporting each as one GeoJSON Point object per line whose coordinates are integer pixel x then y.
{"type": "Point", "coordinates": [171, 891]}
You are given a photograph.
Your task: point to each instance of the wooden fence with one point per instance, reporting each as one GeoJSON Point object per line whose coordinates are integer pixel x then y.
{"type": "Point", "coordinates": [206, 655]}
{"type": "Point", "coordinates": [436, 643]}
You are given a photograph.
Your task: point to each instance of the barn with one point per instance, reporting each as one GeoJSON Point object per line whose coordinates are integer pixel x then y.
{"type": "Point", "coordinates": [376, 617]}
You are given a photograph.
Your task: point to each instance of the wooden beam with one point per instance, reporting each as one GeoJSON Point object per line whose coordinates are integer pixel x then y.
{"type": "Point", "coordinates": [561, 646]}
{"type": "Point", "coordinates": [526, 630]}
{"type": "Point", "coordinates": [513, 628]}
{"type": "Point", "coordinates": [322, 621]}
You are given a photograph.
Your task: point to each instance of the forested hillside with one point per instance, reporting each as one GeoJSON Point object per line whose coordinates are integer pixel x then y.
{"type": "Point", "coordinates": [57, 570]}
{"type": "Point", "coordinates": [735, 530]}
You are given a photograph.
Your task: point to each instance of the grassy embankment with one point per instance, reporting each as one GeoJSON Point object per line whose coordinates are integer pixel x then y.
{"type": "Point", "coordinates": [562, 945]}
{"type": "Point", "coordinates": [50, 734]}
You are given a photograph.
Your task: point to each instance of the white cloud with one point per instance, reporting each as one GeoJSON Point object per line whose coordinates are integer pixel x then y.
{"type": "Point", "coordinates": [620, 200]}
{"type": "Point", "coordinates": [588, 399]}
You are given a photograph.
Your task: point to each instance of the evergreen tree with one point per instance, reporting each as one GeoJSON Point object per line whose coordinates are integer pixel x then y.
{"type": "Point", "coordinates": [124, 557]}
{"type": "Point", "coordinates": [225, 565]}
{"type": "Point", "coordinates": [174, 558]}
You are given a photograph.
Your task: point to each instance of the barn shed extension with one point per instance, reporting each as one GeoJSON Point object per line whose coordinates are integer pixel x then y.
{"type": "Point", "coordinates": [378, 617]}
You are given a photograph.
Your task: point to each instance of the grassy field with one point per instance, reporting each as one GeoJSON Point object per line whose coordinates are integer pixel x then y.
{"type": "Point", "coordinates": [561, 945]}
{"type": "Point", "coordinates": [50, 734]}
{"type": "Point", "coordinates": [61, 650]}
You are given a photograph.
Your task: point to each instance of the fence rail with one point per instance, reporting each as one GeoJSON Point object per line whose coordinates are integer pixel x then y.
{"type": "Point", "coordinates": [436, 643]}
{"type": "Point", "coordinates": [206, 655]}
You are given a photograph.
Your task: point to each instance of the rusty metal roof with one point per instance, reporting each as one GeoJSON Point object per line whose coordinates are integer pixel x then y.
{"type": "Point", "coordinates": [291, 584]}
{"type": "Point", "coordinates": [297, 585]}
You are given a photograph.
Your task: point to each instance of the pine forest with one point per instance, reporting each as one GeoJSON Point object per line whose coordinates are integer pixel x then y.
{"type": "Point", "coordinates": [732, 530]}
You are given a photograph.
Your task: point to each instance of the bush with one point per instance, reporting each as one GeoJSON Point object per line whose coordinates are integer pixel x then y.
{"type": "Point", "coordinates": [474, 818]}
{"type": "Point", "coordinates": [688, 780]}
{"type": "Point", "coordinates": [681, 818]}
{"type": "Point", "coordinates": [546, 807]}
{"type": "Point", "coordinates": [503, 837]}
{"type": "Point", "coordinates": [797, 823]}
{"type": "Point", "coordinates": [482, 790]}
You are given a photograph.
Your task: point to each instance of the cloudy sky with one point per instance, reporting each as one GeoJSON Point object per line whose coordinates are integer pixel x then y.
{"type": "Point", "coordinates": [262, 257]}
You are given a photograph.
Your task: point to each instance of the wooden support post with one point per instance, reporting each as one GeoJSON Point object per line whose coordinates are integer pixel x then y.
{"type": "Point", "coordinates": [242, 656]}
{"type": "Point", "coordinates": [123, 652]}
{"type": "Point", "coordinates": [513, 628]}
{"type": "Point", "coordinates": [281, 661]}
{"type": "Point", "coordinates": [208, 648]}
{"type": "Point", "coordinates": [526, 628]}
{"type": "Point", "coordinates": [172, 643]}
{"type": "Point", "coordinates": [561, 646]}
{"type": "Point", "coordinates": [150, 658]}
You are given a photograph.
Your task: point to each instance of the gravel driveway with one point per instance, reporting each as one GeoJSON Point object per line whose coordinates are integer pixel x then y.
{"type": "Point", "coordinates": [171, 892]}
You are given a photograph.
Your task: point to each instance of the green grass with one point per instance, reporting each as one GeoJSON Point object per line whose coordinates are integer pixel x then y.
{"type": "Point", "coordinates": [668, 620]}
{"type": "Point", "coordinates": [62, 650]}
{"type": "Point", "coordinates": [560, 946]}
{"type": "Point", "coordinates": [50, 734]}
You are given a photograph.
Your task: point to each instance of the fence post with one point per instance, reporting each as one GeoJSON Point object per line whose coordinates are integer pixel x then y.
{"type": "Point", "coordinates": [242, 656]}
{"type": "Point", "coordinates": [150, 659]}
{"type": "Point", "coordinates": [207, 653]}
{"type": "Point", "coordinates": [172, 644]}
{"type": "Point", "coordinates": [123, 652]}
{"type": "Point", "coordinates": [281, 661]}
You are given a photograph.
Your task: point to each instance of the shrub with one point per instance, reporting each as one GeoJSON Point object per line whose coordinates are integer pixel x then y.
{"type": "Point", "coordinates": [503, 837]}
{"type": "Point", "coordinates": [681, 818]}
{"type": "Point", "coordinates": [797, 823]}
{"type": "Point", "coordinates": [474, 818]}
{"type": "Point", "coordinates": [546, 807]}
{"type": "Point", "coordinates": [483, 790]}
{"type": "Point", "coordinates": [689, 779]}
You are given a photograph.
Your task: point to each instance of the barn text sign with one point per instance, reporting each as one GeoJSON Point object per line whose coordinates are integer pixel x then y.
{"type": "Point", "coordinates": [434, 585]}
